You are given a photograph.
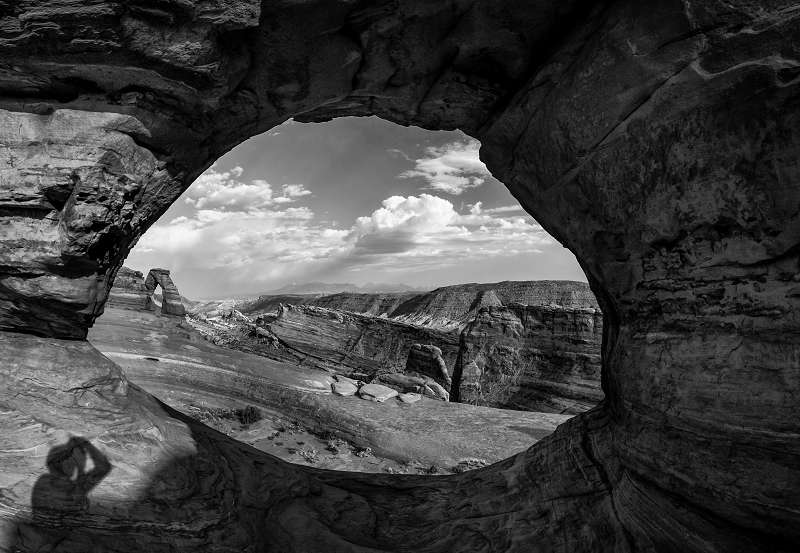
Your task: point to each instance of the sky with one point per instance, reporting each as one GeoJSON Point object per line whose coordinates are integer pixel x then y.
{"type": "Point", "coordinates": [355, 200]}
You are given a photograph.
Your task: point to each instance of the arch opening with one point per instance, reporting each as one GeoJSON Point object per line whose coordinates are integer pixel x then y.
{"type": "Point", "coordinates": [456, 330]}
{"type": "Point", "coordinates": [655, 139]}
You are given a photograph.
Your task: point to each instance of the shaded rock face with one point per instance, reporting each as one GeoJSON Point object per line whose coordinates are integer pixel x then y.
{"type": "Point", "coordinates": [171, 303]}
{"type": "Point", "coordinates": [532, 358]}
{"type": "Point", "coordinates": [427, 359]}
{"type": "Point", "coordinates": [657, 140]}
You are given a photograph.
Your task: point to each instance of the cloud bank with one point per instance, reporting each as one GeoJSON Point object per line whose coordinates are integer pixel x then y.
{"type": "Point", "coordinates": [251, 236]}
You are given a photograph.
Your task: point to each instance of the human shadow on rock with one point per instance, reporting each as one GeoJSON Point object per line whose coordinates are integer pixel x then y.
{"type": "Point", "coordinates": [60, 498]}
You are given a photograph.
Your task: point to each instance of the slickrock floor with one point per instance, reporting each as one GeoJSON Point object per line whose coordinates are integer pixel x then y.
{"type": "Point", "coordinates": [302, 421]}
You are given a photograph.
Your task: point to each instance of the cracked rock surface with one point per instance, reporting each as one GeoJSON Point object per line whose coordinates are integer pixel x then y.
{"type": "Point", "coordinates": [658, 140]}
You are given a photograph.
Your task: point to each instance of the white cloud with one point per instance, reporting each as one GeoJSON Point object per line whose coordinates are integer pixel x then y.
{"type": "Point", "coordinates": [252, 249]}
{"type": "Point", "coordinates": [427, 230]}
{"type": "Point", "coordinates": [223, 191]}
{"type": "Point", "coordinates": [451, 168]}
{"type": "Point", "coordinates": [477, 208]}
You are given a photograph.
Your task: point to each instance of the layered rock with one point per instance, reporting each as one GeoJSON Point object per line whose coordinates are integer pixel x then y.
{"type": "Point", "coordinates": [356, 345]}
{"type": "Point", "coordinates": [655, 140]}
{"type": "Point", "coordinates": [129, 290]}
{"type": "Point", "coordinates": [378, 304]}
{"type": "Point", "coordinates": [532, 358]}
{"type": "Point", "coordinates": [445, 308]}
{"type": "Point", "coordinates": [452, 307]}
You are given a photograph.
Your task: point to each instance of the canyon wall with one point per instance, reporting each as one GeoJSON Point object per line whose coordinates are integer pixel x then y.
{"type": "Point", "coordinates": [445, 308]}
{"type": "Point", "coordinates": [532, 358]}
{"type": "Point", "coordinates": [359, 346]}
{"type": "Point", "coordinates": [542, 357]}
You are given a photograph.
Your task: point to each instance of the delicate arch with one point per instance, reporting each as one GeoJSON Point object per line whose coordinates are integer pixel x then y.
{"type": "Point", "coordinates": [171, 303]}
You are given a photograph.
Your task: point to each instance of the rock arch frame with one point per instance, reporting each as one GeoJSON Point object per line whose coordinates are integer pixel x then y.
{"type": "Point", "coordinates": [657, 140]}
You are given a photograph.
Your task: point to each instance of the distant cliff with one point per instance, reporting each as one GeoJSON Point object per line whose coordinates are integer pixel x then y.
{"type": "Point", "coordinates": [521, 345]}
{"type": "Point", "coordinates": [539, 358]}
{"type": "Point", "coordinates": [445, 308]}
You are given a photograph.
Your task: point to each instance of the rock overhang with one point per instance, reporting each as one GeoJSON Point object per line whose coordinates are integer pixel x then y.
{"type": "Point", "coordinates": [656, 140]}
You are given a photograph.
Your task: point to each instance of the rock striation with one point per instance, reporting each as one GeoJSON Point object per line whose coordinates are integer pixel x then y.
{"type": "Point", "coordinates": [129, 290]}
{"type": "Point", "coordinates": [657, 140]}
{"type": "Point", "coordinates": [545, 359]}
{"type": "Point", "coordinates": [355, 345]}
{"type": "Point", "coordinates": [445, 308]}
{"type": "Point", "coordinates": [532, 358]}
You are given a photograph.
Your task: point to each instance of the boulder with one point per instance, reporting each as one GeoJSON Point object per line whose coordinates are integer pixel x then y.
{"type": "Point", "coordinates": [409, 397]}
{"type": "Point", "coordinates": [344, 388]}
{"type": "Point", "coordinates": [376, 392]}
{"type": "Point", "coordinates": [436, 391]}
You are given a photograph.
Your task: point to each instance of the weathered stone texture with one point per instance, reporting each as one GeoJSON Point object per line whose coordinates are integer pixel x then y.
{"type": "Point", "coordinates": [658, 140]}
{"type": "Point", "coordinates": [129, 291]}
{"type": "Point", "coordinates": [532, 358]}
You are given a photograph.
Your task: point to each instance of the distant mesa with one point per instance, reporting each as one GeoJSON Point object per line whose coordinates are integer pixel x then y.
{"type": "Point", "coordinates": [341, 287]}
{"type": "Point", "coordinates": [132, 290]}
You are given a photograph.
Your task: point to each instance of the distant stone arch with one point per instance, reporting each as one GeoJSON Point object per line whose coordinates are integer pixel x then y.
{"type": "Point", "coordinates": [171, 303]}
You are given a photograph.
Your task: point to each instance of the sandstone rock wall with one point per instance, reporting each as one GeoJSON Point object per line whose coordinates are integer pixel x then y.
{"type": "Point", "coordinates": [129, 291]}
{"type": "Point", "coordinates": [453, 307]}
{"type": "Point", "coordinates": [532, 358]}
{"type": "Point", "coordinates": [445, 308]}
{"type": "Point", "coordinates": [657, 140]}
{"type": "Point", "coordinates": [376, 304]}
{"type": "Point", "coordinates": [359, 346]}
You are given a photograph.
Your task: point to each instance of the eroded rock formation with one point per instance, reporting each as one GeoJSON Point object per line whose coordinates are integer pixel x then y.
{"type": "Point", "coordinates": [129, 290]}
{"type": "Point", "coordinates": [658, 140]}
{"type": "Point", "coordinates": [360, 346]}
{"type": "Point", "coordinates": [533, 358]}
{"type": "Point", "coordinates": [132, 291]}
{"type": "Point", "coordinates": [171, 303]}
{"type": "Point", "coordinates": [543, 357]}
